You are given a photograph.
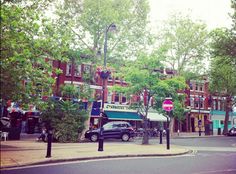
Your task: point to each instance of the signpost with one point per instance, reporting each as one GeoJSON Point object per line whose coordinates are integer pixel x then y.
{"type": "Point", "coordinates": [168, 106]}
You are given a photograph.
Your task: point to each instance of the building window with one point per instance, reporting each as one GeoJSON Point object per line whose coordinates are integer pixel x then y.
{"type": "Point", "coordinates": [77, 70]}
{"type": "Point", "coordinates": [219, 105]}
{"type": "Point", "coordinates": [214, 104]}
{"type": "Point", "coordinates": [191, 86]}
{"type": "Point", "coordinates": [223, 105]}
{"type": "Point", "coordinates": [123, 99]}
{"type": "Point", "coordinates": [87, 68]}
{"type": "Point", "coordinates": [117, 97]}
{"type": "Point", "coordinates": [68, 69]}
{"type": "Point", "coordinates": [201, 88]}
{"type": "Point", "coordinates": [109, 97]}
{"type": "Point", "coordinates": [201, 105]}
{"type": "Point", "coordinates": [192, 102]}
{"type": "Point", "coordinates": [110, 77]}
{"type": "Point", "coordinates": [196, 87]}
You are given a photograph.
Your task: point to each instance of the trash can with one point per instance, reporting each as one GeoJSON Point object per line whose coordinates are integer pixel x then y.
{"type": "Point", "coordinates": [219, 131]}
{"type": "Point", "coordinates": [31, 125]}
{"type": "Point", "coordinates": [14, 133]}
{"type": "Point", "coordinates": [207, 129]}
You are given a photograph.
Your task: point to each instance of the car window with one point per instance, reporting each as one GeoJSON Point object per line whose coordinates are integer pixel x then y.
{"type": "Point", "coordinates": [108, 126]}
{"type": "Point", "coordinates": [116, 125]}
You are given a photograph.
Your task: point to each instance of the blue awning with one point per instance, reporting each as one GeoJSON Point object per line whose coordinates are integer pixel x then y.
{"type": "Point", "coordinates": [114, 115]}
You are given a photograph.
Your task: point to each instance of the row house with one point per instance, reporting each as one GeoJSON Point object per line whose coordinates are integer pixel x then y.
{"type": "Point", "coordinates": [202, 108]}
{"type": "Point", "coordinates": [198, 104]}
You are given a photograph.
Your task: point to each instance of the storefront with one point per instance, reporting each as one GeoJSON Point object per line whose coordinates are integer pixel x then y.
{"type": "Point", "coordinates": [199, 120]}
{"type": "Point", "coordinates": [218, 118]}
{"type": "Point", "coordinates": [114, 112]}
{"type": "Point", "coordinates": [156, 120]}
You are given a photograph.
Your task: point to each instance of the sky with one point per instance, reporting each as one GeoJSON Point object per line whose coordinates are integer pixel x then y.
{"type": "Point", "coordinates": [215, 13]}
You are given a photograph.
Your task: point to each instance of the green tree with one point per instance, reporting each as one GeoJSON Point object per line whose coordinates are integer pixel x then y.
{"type": "Point", "coordinates": [184, 44]}
{"type": "Point", "coordinates": [27, 39]}
{"type": "Point", "coordinates": [86, 21]}
{"type": "Point", "coordinates": [223, 82]}
{"type": "Point", "coordinates": [144, 79]}
{"type": "Point", "coordinates": [223, 65]}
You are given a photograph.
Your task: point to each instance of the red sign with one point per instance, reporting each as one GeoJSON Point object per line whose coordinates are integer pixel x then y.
{"type": "Point", "coordinates": [167, 105]}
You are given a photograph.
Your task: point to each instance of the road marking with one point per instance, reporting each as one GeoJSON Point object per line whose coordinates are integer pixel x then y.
{"type": "Point", "coordinates": [216, 171]}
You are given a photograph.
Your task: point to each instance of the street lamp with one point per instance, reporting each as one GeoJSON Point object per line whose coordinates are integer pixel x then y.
{"type": "Point", "coordinates": [199, 116]}
{"type": "Point", "coordinates": [104, 75]}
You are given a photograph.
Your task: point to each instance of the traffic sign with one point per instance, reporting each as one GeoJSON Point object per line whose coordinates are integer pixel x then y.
{"type": "Point", "coordinates": [167, 105]}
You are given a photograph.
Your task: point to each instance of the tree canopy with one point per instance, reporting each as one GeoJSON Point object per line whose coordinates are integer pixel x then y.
{"type": "Point", "coordinates": [145, 80]}
{"type": "Point", "coordinates": [223, 65]}
{"type": "Point", "coordinates": [87, 20]}
{"type": "Point", "coordinates": [183, 44]}
{"type": "Point", "coordinates": [26, 41]}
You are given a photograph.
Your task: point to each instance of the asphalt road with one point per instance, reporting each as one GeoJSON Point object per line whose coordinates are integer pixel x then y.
{"type": "Point", "coordinates": [215, 155]}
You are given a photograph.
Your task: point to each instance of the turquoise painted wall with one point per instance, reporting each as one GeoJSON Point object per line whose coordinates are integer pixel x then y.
{"type": "Point", "coordinates": [220, 123]}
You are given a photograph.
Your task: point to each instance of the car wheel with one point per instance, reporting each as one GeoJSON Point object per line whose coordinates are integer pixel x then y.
{"type": "Point", "coordinates": [125, 137]}
{"type": "Point", "coordinates": [94, 137]}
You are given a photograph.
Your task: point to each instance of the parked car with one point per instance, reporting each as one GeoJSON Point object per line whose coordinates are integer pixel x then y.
{"type": "Point", "coordinates": [115, 129]}
{"type": "Point", "coordinates": [232, 132]}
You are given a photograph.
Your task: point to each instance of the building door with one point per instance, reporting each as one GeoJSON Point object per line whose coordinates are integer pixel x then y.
{"type": "Point", "coordinates": [192, 125]}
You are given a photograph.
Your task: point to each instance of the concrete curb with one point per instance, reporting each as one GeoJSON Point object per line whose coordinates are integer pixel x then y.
{"type": "Point", "coordinates": [52, 161]}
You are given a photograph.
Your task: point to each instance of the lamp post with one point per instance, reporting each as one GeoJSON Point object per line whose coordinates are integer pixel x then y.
{"type": "Point", "coordinates": [199, 117]}
{"type": "Point", "coordinates": [104, 75]}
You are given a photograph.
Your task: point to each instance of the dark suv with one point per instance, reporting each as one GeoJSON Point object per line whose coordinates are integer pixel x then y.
{"type": "Point", "coordinates": [115, 129]}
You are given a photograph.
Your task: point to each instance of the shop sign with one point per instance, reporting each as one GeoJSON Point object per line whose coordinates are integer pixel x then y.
{"type": "Point", "coordinates": [114, 107]}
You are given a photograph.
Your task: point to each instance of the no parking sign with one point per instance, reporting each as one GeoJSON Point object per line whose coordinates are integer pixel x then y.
{"type": "Point", "coordinates": [167, 105]}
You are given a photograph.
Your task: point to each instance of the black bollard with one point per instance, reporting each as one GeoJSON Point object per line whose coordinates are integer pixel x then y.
{"type": "Point", "coordinates": [160, 136]}
{"type": "Point", "coordinates": [168, 138]}
{"type": "Point", "coordinates": [199, 132]}
{"type": "Point", "coordinates": [49, 145]}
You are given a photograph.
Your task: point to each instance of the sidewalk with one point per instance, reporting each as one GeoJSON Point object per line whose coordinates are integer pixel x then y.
{"type": "Point", "coordinates": [27, 151]}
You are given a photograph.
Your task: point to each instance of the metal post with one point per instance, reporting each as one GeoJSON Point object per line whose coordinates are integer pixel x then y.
{"type": "Point", "coordinates": [168, 133]}
{"type": "Point", "coordinates": [101, 138]}
{"type": "Point", "coordinates": [199, 125]}
{"type": "Point", "coordinates": [49, 144]}
{"type": "Point", "coordinates": [161, 136]}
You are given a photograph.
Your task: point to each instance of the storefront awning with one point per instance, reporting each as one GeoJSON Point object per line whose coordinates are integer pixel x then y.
{"type": "Point", "coordinates": [113, 115]}
{"type": "Point", "coordinates": [154, 116]}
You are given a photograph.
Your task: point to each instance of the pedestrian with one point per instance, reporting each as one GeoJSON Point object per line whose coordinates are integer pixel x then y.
{"type": "Point", "coordinates": [43, 135]}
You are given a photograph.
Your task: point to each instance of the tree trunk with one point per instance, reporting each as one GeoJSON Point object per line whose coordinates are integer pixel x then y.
{"type": "Point", "coordinates": [145, 124]}
{"type": "Point", "coordinates": [172, 121]}
{"type": "Point", "coordinates": [145, 135]}
{"type": "Point", "coordinates": [227, 110]}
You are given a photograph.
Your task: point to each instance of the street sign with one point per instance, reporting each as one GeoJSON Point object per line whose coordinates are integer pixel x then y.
{"type": "Point", "coordinates": [167, 105]}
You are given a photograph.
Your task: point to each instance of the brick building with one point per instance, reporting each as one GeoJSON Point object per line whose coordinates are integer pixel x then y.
{"type": "Point", "coordinates": [202, 108]}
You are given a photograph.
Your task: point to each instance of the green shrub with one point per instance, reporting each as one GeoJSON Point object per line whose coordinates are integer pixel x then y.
{"type": "Point", "coordinates": [66, 119]}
